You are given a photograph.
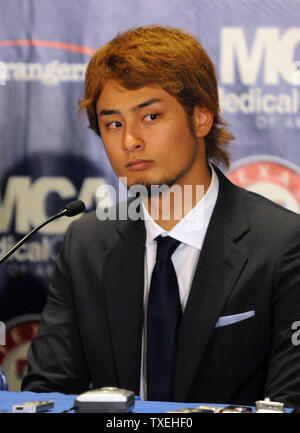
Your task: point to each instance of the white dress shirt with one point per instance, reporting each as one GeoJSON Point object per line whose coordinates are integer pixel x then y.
{"type": "Point", "coordinates": [190, 231]}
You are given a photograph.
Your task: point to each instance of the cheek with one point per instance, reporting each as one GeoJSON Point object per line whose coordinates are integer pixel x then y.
{"type": "Point", "coordinates": [166, 139]}
{"type": "Point", "coordinates": [175, 143]}
{"type": "Point", "coordinates": [114, 157]}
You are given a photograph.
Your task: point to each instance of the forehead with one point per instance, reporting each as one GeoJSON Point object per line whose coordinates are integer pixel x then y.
{"type": "Point", "coordinates": [114, 95]}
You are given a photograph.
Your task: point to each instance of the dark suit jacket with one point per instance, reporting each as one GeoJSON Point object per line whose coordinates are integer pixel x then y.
{"type": "Point", "coordinates": [91, 328]}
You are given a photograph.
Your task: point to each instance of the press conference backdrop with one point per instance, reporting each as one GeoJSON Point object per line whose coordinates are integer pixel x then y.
{"type": "Point", "coordinates": [49, 157]}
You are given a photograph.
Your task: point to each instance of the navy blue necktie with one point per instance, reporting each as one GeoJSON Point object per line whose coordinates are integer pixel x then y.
{"type": "Point", "coordinates": [163, 318]}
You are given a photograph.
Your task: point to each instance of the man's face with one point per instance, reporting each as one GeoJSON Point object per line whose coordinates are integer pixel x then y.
{"type": "Point", "coordinates": [146, 136]}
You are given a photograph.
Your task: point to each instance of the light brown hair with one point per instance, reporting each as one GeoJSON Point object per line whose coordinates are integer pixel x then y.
{"type": "Point", "coordinates": [167, 57]}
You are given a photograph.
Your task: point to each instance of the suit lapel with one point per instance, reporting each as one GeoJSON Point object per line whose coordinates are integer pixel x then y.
{"type": "Point", "coordinates": [124, 287]}
{"type": "Point", "coordinates": [220, 263]}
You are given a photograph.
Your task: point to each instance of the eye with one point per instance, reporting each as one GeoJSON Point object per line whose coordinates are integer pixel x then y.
{"type": "Point", "coordinates": [151, 117]}
{"type": "Point", "coordinates": [113, 125]}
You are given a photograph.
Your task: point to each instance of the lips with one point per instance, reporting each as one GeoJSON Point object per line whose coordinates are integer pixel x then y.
{"type": "Point", "coordinates": [138, 164]}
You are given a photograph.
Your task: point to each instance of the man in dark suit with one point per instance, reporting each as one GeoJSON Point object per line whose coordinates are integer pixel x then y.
{"type": "Point", "coordinates": [151, 94]}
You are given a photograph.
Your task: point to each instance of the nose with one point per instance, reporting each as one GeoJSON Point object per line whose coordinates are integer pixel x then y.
{"type": "Point", "coordinates": [132, 139]}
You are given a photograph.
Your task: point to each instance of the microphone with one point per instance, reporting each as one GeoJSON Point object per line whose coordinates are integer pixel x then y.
{"type": "Point", "coordinates": [71, 209]}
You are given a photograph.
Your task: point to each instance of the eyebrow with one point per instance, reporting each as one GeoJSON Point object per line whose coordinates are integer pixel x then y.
{"type": "Point", "coordinates": [137, 107]}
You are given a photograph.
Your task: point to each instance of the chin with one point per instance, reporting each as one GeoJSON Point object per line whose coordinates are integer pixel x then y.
{"type": "Point", "coordinates": [149, 183]}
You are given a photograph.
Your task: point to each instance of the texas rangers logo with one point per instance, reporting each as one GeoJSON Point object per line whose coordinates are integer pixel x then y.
{"type": "Point", "coordinates": [13, 355]}
{"type": "Point", "coordinates": [274, 178]}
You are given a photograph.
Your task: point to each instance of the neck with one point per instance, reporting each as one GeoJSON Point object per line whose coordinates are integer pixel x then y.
{"type": "Point", "coordinates": [171, 206]}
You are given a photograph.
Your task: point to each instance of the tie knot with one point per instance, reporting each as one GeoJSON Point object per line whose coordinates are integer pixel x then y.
{"type": "Point", "coordinates": [165, 247]}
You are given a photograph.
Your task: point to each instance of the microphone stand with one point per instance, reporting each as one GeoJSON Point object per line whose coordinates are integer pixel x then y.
{"type": "Point", "coordinates": [65, 211]}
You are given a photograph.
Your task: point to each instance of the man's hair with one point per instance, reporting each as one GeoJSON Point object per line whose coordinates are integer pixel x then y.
{"type": "Point", "coordinates": [163, 56]}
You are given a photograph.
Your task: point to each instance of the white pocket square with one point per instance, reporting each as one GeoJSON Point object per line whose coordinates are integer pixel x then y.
{"type": "Point", "coordinates": [228, 320]}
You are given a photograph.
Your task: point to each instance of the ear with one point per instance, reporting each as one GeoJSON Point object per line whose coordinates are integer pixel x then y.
{"type": "Point", "coordinates": [202, 120]}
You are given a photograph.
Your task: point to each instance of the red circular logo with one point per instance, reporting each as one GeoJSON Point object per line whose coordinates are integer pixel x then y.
{"type": "Point", "coordinates": [13, 354]}
{"type": "Point", "coordinates": [275, 179]}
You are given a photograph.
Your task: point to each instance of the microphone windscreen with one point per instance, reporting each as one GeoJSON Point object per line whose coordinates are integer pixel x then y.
{"type": "Point", "coordinates": [74, 208]}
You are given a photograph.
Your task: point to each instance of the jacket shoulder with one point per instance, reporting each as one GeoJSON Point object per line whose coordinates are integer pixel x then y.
{"type": "Point", "coordinates": [269, 207]}
{"type": "Point", "coordinates": [102, 227]}
{"type": "Point", "coordinates": [269, 219]}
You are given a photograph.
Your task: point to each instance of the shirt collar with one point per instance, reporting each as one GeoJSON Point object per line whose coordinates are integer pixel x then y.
{"type": "Point", "coordinates": [192, 228]}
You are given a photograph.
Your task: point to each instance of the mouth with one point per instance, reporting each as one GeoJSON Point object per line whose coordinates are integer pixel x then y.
{"type": "Point", "coordinates": [138, 164]}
